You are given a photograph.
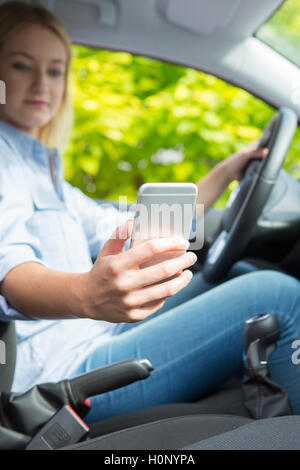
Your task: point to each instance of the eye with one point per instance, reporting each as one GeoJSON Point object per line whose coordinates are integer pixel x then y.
{"type": "Point", "coordinates": [55, 73]}
{"type": "Point", "coordinates": [20, 66]}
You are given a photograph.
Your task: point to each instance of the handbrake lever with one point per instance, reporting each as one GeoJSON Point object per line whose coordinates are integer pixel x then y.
{"type": "Point", "coordinates": [108, 378]}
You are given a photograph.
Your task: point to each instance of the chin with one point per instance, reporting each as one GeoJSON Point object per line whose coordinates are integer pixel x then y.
{"type": "Point", "coordinates": [28, 121]}
{"type": "Point", "coordinates": [34, 122]}
{"type": "Point", "coordinates": [36, 119]}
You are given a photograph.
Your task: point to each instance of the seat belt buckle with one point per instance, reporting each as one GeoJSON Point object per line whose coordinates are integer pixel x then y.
{"type": "Point", "coordinates": [63, 429]}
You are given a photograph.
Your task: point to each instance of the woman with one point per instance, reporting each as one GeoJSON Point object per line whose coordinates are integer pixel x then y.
{"type": "Point", "coordinates": [93, 315]}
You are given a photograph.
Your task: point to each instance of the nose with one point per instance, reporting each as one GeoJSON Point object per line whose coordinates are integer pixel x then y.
{"type": "Point", "coordinates": [40, 83]}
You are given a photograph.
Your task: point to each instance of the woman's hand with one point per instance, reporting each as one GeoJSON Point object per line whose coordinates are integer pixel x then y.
{"type": "Point", "coordinates": [215, 183]}
{"type": "Point", "coordinates": [117, 290]}
{"type": "Point", "coordinates": [234, 165]}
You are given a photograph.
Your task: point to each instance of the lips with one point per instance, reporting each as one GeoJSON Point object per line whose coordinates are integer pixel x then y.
{"type": "Point", "coordinates": [36, 102]}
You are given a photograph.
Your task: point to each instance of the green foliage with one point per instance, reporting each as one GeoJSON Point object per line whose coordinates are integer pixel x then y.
{"type": "Point", "coordinates": [282, 30]}
{"type": "Point", "coordinates": [129, 108]}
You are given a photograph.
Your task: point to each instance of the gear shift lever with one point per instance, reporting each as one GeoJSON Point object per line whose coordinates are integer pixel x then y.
{"type": "Point", "coordinates": [260, 335]}
{"type": "Point", "coordinates": [263, 397]}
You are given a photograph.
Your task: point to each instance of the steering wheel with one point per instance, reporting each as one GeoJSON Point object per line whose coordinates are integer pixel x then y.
{"type": "Point", "coordinates": [248, 199]}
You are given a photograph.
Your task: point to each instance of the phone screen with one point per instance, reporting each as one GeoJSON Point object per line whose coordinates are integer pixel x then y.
{"type": "Point", "coordinates": [164, 210]}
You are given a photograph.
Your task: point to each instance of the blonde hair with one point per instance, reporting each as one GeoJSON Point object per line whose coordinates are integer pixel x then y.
{"type": "Point", "coordinates": [14, 14]}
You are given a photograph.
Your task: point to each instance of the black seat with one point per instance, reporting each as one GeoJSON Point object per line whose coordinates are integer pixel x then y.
{"type": "Point", "coordinates": [165, 434]}
{"type": "Point", "coordinates": [227, 400]}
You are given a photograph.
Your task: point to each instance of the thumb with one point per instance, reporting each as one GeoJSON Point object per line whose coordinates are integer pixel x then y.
{"type": "Point", "coordinates": [116, 242]}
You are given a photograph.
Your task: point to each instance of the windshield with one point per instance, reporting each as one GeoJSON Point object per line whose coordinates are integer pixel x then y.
{"type": "Point", "coordinates": [282, 31]}
{"type": "Point", "coordinates": [141, 120]}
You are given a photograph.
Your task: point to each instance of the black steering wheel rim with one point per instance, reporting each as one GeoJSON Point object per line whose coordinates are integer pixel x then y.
{"type": "Point", "coordinates": [254, 189]}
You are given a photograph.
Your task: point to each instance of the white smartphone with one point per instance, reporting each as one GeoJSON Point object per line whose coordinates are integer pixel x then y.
{"type": "Point", "coordinates": [164, 210]}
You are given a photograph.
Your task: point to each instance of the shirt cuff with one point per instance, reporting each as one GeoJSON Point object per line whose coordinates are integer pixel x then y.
{"type": "Point", "coordinates": [16, 255]}
{"type": "Point", "coordinates": [8, 313]}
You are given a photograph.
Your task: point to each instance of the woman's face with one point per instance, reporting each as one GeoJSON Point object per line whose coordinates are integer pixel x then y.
{"type": "Point", "coordinates": [33, 63]}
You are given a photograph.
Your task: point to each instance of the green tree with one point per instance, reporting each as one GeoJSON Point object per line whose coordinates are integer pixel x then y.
{"type": "Point", "coordinates": [282, 30]}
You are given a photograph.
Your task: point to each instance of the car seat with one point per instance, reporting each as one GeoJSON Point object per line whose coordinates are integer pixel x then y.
{"type": "Point", "coordinates": [220, 420]}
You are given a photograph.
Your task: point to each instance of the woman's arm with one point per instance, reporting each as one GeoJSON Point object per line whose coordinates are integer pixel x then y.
{"type": "Point", "coordinates": [115, 290]}
{"type": "Point", "coordinates": [40, 292]}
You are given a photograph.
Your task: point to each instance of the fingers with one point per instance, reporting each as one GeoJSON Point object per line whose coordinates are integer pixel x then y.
{"type": "Point", "coordinates": [258, 153]}
{"type": "Point", "coordinates": [157, 292]}
{"type": "Point", "coordinates": [159, 272]}
{"type": "Point", "coordinates": [143, 252]}
{"type": "Point", "coordinates": [144, 311]}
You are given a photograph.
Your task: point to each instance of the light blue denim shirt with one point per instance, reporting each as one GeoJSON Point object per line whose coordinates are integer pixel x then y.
{"type": "Point", "coordinates": [44, 219]}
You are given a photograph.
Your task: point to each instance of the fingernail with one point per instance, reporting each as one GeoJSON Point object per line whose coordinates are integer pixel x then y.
{"type": "Point", "coordinates": [193, 256]}
{"type": "Point", "coordinates": [185, 243]}
{"type": "Point", "coordinates": [189, 273]}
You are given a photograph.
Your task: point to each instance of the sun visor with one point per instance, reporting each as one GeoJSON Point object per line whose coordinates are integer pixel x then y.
{"type": "Point", "coordinates": [84, 12]}
{"type": "Point", "coordinates": [200, 16]}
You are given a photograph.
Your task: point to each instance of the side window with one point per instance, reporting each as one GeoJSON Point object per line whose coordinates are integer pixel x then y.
{"type": "Point", "coordinates": [140, 120]}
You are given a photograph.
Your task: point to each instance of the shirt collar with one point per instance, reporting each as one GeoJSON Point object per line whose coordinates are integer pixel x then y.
{"type": "Point", "coordinates": [26, 145]}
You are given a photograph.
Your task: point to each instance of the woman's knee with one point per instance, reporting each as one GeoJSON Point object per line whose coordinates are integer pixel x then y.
{"type": "Point", "coordinates": [267, 291]}
{"type": "Point", "coordinates": [271, 280]}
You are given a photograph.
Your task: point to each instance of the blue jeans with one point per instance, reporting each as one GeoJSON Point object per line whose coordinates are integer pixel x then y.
{"type": "Point", "coordinates": [195, 342]}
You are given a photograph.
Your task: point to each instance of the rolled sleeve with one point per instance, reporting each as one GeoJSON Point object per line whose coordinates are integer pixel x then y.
{"type": "Point", "coordinates": [12, 256]}
{"type": "Point", "coordinates": [7, 312]}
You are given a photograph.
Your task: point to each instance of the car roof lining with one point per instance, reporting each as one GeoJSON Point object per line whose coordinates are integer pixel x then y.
{"type": "Point", "coordinates": [238, 18]}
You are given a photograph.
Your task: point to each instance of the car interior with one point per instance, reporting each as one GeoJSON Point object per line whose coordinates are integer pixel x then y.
{"type": "Point", "coordinates": [261, 224]}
